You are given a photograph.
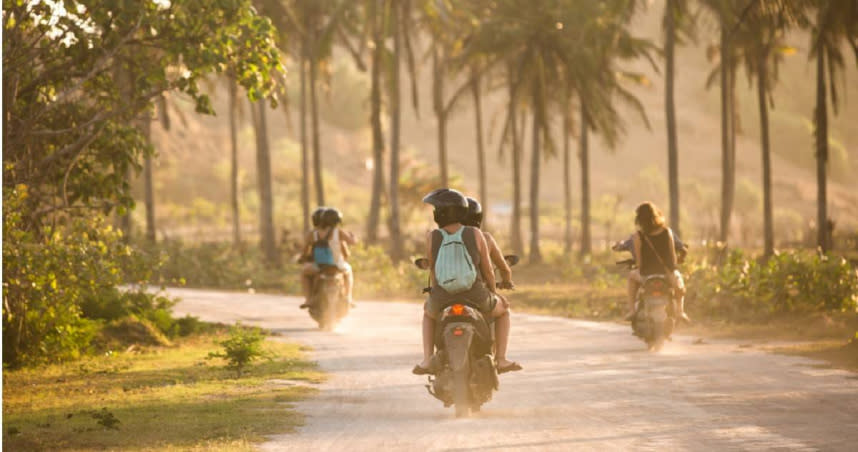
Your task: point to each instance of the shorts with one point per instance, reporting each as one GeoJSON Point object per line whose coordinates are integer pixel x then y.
{"type": "Point", "coordinates": [434, 306]}
{"type": "Point", "coordinates": [678, 282]}
{"type": "Point", "coordinates": [344, 267]}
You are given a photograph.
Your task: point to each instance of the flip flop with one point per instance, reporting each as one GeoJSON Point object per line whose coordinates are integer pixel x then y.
{"type": "Point", "coordinates": [511, 367]}
{"type": "Point", "coordinates": [417, 370]}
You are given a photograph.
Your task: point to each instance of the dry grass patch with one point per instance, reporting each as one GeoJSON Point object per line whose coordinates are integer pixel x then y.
{"type": "Point", "coordinates": [158, 399]}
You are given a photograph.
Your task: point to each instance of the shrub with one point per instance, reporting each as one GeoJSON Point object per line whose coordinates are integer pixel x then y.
{"type": "Point", "coordinates": [790, 282]}
{"type": "Point", "coordinates": [61, 283]}
{"type": "Point", "coordinates": [243, 346]}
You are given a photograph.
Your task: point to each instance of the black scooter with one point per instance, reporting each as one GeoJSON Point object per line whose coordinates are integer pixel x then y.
{"type": "Point", "coordinates": [463, 366]}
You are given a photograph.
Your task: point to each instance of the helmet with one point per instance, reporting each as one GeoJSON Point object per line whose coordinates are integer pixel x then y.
{"type": "Point", "coordinates": [317, 216]}
{"type": "Point", "coordinates": [474, 217]}
{"type": "Point", "coordinates": [331, 217]}
{"type": "Point", "coordinates": [450, 206]}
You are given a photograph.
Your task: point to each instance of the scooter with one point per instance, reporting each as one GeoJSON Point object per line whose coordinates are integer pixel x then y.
{"type": "Point", "coordinates": [464, 367]}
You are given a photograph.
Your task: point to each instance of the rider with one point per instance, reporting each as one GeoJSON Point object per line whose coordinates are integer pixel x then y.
{"type": "Point", "coordinates": [450, 207]}
{"type": "Point", "coordinates": [655, 254]}
{"type": "Point", "coordinates": [474, 218]}
{"type": "Point", "coordinates": [326, 222]}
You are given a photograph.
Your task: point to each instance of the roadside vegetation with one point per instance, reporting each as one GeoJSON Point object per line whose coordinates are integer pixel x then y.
{"type": "Point", "coordinates": [157, 398]}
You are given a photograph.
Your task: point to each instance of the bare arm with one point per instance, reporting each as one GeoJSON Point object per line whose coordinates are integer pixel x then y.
{"type": "Point", "coordinates": [485, 261]}
{"type": "Point", "coordinates": [497, 258]}
{"type": "Point", "coordinates": [637, 244]}
{"type": "Point", "coordinates": [431, 257]}
{"type": "Point", "coordinates": [348, 237]}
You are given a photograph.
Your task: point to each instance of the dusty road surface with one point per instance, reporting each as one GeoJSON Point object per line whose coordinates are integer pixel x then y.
{"type": "Point", "coordinates": [586, 386]}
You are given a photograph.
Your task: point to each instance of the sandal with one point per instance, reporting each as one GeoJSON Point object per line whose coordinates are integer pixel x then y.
{"type": "Point", "coordinates": [418, 370]}
{"type": "Point", "coordinates": [511, 367]}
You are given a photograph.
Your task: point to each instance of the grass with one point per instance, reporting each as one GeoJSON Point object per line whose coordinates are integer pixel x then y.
{"type": "Point", "coordinates": [834, 352]}
{"type": "Point", "coordinates": [160, 399]}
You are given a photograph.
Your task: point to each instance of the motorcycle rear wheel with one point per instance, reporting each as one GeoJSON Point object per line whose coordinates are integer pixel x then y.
{"type": "Point", "coordinates": [461, 393]}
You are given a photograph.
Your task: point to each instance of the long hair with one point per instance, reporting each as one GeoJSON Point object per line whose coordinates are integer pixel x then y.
{"type": "Point", "coordinates": [648, 217]}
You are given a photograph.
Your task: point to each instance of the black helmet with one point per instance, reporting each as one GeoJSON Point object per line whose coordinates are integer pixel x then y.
{"type": "Point", "coordinates": [331, 217]}
{"type": "Point", "coordinates": [474, 217]}
{"type": "Point", "coordinates": [450, 206]}
{"type": "Point", "coordinates": [317, 216]}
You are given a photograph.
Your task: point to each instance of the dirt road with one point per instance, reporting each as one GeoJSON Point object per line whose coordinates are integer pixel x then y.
{"type": "Point", "coordinates": [586, 386]}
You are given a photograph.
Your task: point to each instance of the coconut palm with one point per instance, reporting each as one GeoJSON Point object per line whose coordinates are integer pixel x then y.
{"type": "Point", "coordinates": [677, 23]}
{"type": "Point", "coordinates": [760, 41]}
{"type": "Point", "coordinates": [836, 22]}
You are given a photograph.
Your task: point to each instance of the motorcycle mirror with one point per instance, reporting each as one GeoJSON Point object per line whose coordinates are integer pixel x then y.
{"type": "Point", "coordinates": [422, 263]}
{"type": "Point", "coordinates": [511, 259]}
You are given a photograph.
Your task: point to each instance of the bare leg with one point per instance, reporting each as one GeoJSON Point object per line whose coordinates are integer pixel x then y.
{"type": "Point", "coordinates": [502, 327]}
{"type": "Point", "coordinates": [307, 275]}
{"type": "Point", "coordinates": [350, 283]}
{"type": "Point", "coordinates": [632, 292]}
{"type": "Point", "coordinates": [428, 340]}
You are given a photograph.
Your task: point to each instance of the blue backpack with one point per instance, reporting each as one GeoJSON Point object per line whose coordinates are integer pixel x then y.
{"type": "Point", "coordinates": [322, 252]}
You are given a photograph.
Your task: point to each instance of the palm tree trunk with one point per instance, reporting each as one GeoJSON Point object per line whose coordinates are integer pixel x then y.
{"type": "Point", "coordinates": [567, 187]}
{"type": "Point", "coordinates": [148, 189]}
{"type": "Point", "coordinates": [395, 233]}
{"type": "Point", "coordinates": [822, 239]}
{"type": "Point", "coordinates": [586, 245]}
{"type": "Point", "coordinates": [726, 132]}
{"type": "Point", "coordinates": [263, 176]}
{"type": "Point", "coordinates": [515, 227]}
{"type": "Point", "coordinates": [535, 254]}
{"type": "Point", "coordinates": [762, 91]}
{"type": "Point", "coordinates": [305, 158]}
{"type": "Point", "coordinates": [440, 114]}
{"type": "Point", "coordinates": [375, 123]}
{"type": "Point", "coordinates": [314, 122]}
{"type": "Point", "coordinates": [670, 115]}
{"type": "Point", "coordinates": [481, 153]}
{"type": "Point", "coordinates": [233, 174]}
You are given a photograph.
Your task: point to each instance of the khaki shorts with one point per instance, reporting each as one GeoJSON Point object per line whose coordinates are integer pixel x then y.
{"type": "Point", "coordinates": [433, 307]}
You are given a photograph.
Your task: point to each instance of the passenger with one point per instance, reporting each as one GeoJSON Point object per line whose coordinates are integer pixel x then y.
{"type": "Point", "coordinates": [655, 254]}
{"type": "Point", "coordinates": [326, 222]}
{"type": "Point", "coordinates": [450, 208]}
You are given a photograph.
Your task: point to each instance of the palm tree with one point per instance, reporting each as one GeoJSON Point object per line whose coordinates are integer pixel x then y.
{"type": "Point", "coordinates": [263, 175]}
{"type": "Point", "coordinates": [396, 13]}
{"type": "Point", "coordinates": [481, 152]}
{"type": "Point", "coordinates": [760, 40]}
{"type": "Point", "coordinates": [233, 174]}
{"type": "Point", "coordinates": [373, 18]}
{"type": "Point", "coordinates": [836, 21]}
{"type": "Point", "coordinates": [676, 21]}
{"type": "Point", "coordinates": [725, 11]}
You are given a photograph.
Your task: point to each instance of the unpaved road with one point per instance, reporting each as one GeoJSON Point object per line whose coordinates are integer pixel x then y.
{"type": "Point", "coordinates": [586, 386]}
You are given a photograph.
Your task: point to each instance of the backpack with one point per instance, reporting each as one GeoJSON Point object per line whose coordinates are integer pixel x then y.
{"type": "Point", "coordinates": [322, 252]}
{"type": "Point", "coordinates": [454, 269]}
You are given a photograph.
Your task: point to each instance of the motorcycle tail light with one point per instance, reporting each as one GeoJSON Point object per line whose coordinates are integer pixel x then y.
{"type": "Point", "coordinates": [457, 309]}
{"type": "Point", "coordinates": [458, 332]}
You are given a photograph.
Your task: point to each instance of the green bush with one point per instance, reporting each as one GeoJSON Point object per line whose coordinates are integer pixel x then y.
{"type": "Point", "coordinates": [62, 283]}
{"type": "Point", "coordinates": [790, 282]}
{"type": "Point", "coordinates": [243, 346]}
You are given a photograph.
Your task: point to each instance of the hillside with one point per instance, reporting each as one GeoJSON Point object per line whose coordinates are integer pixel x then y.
{"type": "Point", "coordinates": [193, 162]}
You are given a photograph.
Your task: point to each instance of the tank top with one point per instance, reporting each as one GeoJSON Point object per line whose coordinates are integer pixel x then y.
{"type": "Point", "coordinates": [650, 263]}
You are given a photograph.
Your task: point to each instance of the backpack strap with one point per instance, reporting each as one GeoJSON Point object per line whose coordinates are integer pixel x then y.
{"type": "Point", "coordinates": [655, 251]}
